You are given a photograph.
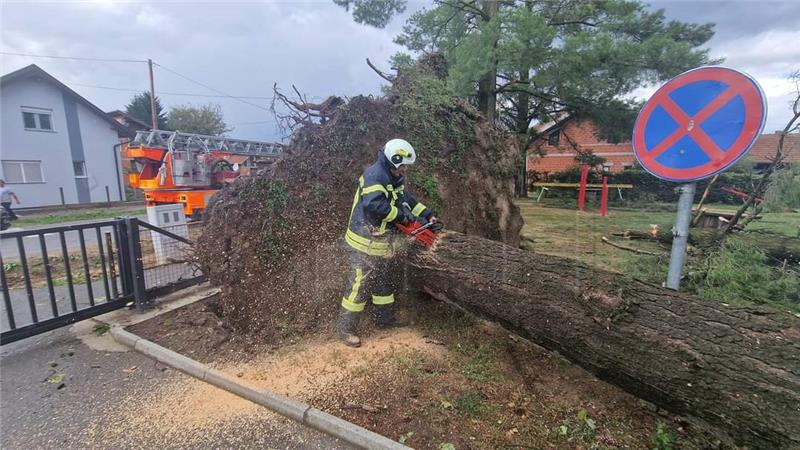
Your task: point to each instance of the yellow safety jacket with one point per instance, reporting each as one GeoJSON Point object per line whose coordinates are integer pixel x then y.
{"type": "Point", "coordinates": [377, 206]}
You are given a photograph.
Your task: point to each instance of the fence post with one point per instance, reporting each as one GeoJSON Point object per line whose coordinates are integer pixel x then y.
{"type": "Point", "coordinates": [582, 186]}
{"type": "Point", "coordinates": [121, 232]}
{"type": "Point", "coordinates": [604, 198]}
{"type": "Point", "coordinates": [135, 258]}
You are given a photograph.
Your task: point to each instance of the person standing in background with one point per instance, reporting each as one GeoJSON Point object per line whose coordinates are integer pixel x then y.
{"type": "Point", "coordinates": [6, 194]}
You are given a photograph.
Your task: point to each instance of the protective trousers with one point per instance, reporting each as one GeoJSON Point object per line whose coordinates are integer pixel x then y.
{"type": "Point", "coordinates": [369, 277]}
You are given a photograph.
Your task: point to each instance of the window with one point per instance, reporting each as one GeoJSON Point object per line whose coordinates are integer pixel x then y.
{"type": "Point", "coordinates": [80, 169]}
{"type": "Point", "coordinates": [552, 139]}
{"type": "Point", "coordinates": [37, 119]}
{"type": "Point", "coordinates": [627, 166]}
{"type": "Point", "coordinates": [22, 171]}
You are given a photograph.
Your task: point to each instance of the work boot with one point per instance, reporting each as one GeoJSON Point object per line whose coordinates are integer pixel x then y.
{"type": "Point", "coordinates": [346, 328]}
{"type": "Point", "coordinates": [385, 317]}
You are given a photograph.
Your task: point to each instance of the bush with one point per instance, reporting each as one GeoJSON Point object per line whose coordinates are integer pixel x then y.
{"type": "Point", "coordinates": [739, 273]}
{"type": "Point", "coordinates": [784, 191]}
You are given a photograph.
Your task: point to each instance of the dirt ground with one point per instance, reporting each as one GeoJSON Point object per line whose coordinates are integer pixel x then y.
{"type": "Point", "coordinates": [446, 379]}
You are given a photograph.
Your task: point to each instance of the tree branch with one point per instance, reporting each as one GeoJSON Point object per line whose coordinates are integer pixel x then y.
{"type": "Point", "coordinates": [386, 77]}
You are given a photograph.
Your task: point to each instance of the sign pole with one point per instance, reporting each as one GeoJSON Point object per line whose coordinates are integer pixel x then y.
{"type": "Point", "coordinates": [681, 235]}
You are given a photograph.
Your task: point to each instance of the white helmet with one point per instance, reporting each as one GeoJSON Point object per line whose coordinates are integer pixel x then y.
{"type": "Point", "coordinates": [399, 152]}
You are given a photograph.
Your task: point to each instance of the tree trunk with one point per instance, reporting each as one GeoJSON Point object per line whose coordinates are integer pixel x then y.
{"type": "Point", "coordinates": [776, 246]}
{"type": "Point", "coordinates": [487, 100]}
{"type": "Point", "coordinates": [522, 129]}
{"type": "Point", "coordinates": [734, 368]}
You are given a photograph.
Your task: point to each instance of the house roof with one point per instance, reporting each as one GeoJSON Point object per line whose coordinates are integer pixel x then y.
{"type": "Point", "coordinates": [128, 121]}
{"type": "Point", "coordinates": [767, 144]}
{"type": "Point", "coordinates": [36, 72]}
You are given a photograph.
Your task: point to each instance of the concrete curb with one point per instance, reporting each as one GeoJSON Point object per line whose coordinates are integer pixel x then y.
{"type": "Point", "coordinates": [287, 407]}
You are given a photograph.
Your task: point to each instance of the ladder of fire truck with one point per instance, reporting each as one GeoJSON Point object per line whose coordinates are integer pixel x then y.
{"type": "Point", "coordinates": [175, 140]}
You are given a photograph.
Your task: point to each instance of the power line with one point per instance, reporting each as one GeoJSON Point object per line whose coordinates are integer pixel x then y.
{"type": "Point", "coordinates": [185, 94]}
{"type": "Point", "coordinates": [77, 58]}
{"type": "Point", "coordinates": [211, 88]}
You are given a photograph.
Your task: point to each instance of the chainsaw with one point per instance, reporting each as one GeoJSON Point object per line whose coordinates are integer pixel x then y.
{"type": "Point", "coordinates": [424, 233]}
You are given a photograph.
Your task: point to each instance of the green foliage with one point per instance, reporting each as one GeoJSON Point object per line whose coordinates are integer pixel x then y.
{"type": "Point", "coordinates": [431, 187]}
{"type": "Point", "coordinates": [10, 266]}
{"type": "Point", "coordinates": [139, 107]}
{"type": "Point", "coordinates": [479, 363]}
{"type": "Point", "coordinates": [101, 329]}
{"type": "Point", "coordinates": [784, 191]}
{"type": "Point", "coordinates": [588, 157]}
{"type": "Point", "coordinates": [422, 110]}
{"type": "Point", "coordinates": [376, 13]}
{"type": "Point", "coordinates": [471, 403]}
{"type": "Point", "coordinates": [662, 438]}
{"type": "Point", "coordinates": [274, 196]}
{"type": "Point", "coordinates": [405, 437]}
{"type": "Point", "coordinates": [203, 119]}
{"type": "Point", "coordinates": [739, 273]}
{"type": "Point", "coordinates": [580, 427]}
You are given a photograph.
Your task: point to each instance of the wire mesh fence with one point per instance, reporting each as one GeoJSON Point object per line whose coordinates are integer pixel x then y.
{"type": "Point", "coordinates": [166, 254]}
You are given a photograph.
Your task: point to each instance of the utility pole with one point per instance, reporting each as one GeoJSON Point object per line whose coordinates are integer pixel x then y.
{"type": "Point", "coordinates": [153, 114]}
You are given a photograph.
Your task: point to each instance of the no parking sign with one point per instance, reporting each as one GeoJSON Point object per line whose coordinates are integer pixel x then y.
{"type": "Point", "coordinates": [699, 124]}
{"type": "Point", "coordinates": [695, 126]}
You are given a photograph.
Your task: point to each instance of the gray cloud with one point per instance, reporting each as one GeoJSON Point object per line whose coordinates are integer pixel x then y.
{"type": "Point", "coordinates": [244, 47]}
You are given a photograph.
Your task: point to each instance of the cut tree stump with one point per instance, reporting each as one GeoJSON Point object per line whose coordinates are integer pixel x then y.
{"type": "Point", "coordinates": [734, 368]}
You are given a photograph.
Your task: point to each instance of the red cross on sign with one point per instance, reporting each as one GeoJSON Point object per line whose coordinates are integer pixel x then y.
{"type": "Point", "coordinates": [699, 124]}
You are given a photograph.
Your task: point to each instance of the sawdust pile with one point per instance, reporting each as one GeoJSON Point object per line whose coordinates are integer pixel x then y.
{"type": "Point", "coordinates": [274, 243]}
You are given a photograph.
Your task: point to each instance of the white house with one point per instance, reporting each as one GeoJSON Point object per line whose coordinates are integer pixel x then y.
{"type": "Point", "coordinates": [56, 147]}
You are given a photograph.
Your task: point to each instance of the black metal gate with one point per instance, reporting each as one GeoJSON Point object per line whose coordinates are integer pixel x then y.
{"type": "Point", "coordinates": [58, 275]}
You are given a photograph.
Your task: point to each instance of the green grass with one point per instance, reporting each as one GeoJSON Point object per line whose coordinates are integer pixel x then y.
{"type": "Point", "coordinates": [74, 216]}
{"type": "Point", "coordinates": [567, 232]}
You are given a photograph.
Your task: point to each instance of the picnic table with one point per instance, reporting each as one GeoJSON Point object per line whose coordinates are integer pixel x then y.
{"type": "Point", "coordinates": [544, 187]}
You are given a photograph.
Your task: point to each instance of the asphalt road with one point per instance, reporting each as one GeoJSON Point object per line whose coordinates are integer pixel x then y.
{"type": "Point", "coordinates": [9, 247]}
{"type": "Point", "coordinates": [43, 304]}
{"type": "Point", "coordinates": [64, 390]}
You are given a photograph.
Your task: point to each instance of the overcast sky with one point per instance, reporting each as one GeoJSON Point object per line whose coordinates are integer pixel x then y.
{"type": "Point", "coordinates": [242, 48]}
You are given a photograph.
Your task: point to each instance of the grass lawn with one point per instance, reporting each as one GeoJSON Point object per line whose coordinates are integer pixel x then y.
{"type": "Point", "coordinates": [563, 231]}
{"type": "Point", "coordinates": [73, 216]}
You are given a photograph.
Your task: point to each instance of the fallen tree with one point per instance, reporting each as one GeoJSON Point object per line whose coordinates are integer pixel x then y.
{"type": "Point", "coordinates": [272, 243]}
{"type": "Point", "coordinates": [734, 368]}
{"type": "Point", "coordinates": [777, 246]}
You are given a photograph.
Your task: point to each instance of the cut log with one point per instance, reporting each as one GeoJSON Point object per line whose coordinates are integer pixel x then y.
{"type": "Point", "coordinates": [776, 246]}
{"type": "Point", "coordinates": [736, 369]}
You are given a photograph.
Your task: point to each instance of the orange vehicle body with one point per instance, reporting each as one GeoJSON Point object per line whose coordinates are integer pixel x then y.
{"type": "Point", "coordinates": [154, 172]}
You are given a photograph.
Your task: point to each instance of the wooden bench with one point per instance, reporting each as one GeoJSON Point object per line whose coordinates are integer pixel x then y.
{"type": "Point", "coordinates": [543, 187]}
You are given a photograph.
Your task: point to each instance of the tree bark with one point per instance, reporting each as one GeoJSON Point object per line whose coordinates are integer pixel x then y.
{"type": "Point", "coordinates": [487, 100]}
{"type": "Point", "coordinates": [522, 126]}
{"type": "Point", "coordinates": [776, 246]}
{"type": "Point", "coordinates": [736, 369]}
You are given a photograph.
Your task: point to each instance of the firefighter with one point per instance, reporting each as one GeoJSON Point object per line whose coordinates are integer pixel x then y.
{"type": "Point", "coordinates": [380, 202]}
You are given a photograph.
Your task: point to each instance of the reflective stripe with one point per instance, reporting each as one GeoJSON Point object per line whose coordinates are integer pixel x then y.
{"type": "Point", "coordinates": [392, 214]}
{"type": "Point", "coordinates": [353, 307]}
{"type": "Point", "coordinates": [365, 245]}
{"type": "Point", "coordinates": [418, 209]}
{"type": "Point", "coordinates": [383, 299]}
{"type": "Point", "coordinates": [374, 188]}
{"type": "Point", "coordinates": [349, 303]}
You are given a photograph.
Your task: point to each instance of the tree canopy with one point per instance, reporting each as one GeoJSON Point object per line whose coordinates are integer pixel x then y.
{"type": "Point", "coordinates": [202, 119]}
{"type": "Point", "coordinates": [139, 107]}
{"type": "Point", "coordinates": [537, 60]}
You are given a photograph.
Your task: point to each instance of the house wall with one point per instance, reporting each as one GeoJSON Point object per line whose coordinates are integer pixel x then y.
{"type": "Point", "coordinates": [55, 149]}
{"type": "Point", "coordinates": [583, 135]}
{"type": "Point", "coordinates": [578, 136]}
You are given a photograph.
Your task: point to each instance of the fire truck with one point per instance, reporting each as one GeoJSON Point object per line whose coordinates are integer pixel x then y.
{"type": "Point", "coordinates": [185, 168]}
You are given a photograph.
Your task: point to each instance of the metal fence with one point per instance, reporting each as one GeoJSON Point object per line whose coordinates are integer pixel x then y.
{"type": "Point", "coordinates": [54, 276]}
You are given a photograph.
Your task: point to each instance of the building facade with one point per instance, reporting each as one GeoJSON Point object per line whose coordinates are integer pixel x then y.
{"type": "Point", "coordinates": [55, 146]}
{"type": "Point", "coordinates": [561, 141]}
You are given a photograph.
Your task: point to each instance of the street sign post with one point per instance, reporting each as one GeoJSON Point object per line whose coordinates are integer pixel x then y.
{"type": "Point", "coordinates": [695, 126]}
